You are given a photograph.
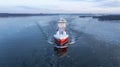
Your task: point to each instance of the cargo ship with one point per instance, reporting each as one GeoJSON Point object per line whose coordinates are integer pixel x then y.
{"type": "Point", "coordinates": [61, 37]}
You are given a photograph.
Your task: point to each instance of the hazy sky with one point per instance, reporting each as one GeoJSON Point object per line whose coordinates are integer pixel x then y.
{"type": "Point", "coordinates": [60, 6]}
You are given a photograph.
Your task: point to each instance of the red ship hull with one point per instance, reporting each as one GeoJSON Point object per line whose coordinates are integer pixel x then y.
{"type": "Point", "coordinates": [61, 42]}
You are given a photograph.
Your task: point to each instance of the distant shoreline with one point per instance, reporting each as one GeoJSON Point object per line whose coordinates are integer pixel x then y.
{"type": "Point", "coordinates": [22, 14]}
{"type": "Point", "coordinates": [100, 17]}
{"type": "Point", "coordinates": [40, 14]}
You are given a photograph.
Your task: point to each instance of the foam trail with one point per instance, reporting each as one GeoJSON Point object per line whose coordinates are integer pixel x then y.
{"type": "Point", "coordinates": [72, 35]}
{"type": "Point", "coordinates": [43, 32]}
{"type": "Point", "coordinates": [48, 37]}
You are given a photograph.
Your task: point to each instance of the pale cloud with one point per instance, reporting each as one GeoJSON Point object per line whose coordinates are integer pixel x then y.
{"type": "Point", "coordinates": [67, 6]}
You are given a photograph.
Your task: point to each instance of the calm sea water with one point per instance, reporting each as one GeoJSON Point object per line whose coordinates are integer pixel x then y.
{"type": "Point", "coordinates": [24, 42]}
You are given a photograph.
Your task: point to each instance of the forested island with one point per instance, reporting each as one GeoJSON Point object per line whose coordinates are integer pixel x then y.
{"type": "Point", "coordinates": [107, 17]}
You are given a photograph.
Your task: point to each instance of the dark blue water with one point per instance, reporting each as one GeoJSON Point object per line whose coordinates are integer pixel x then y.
{"type": "Point", "coordinates": [24, 43]}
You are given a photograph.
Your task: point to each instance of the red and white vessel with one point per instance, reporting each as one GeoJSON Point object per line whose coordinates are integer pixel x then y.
{"type": "Point", "coordinates": [61, 37]}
